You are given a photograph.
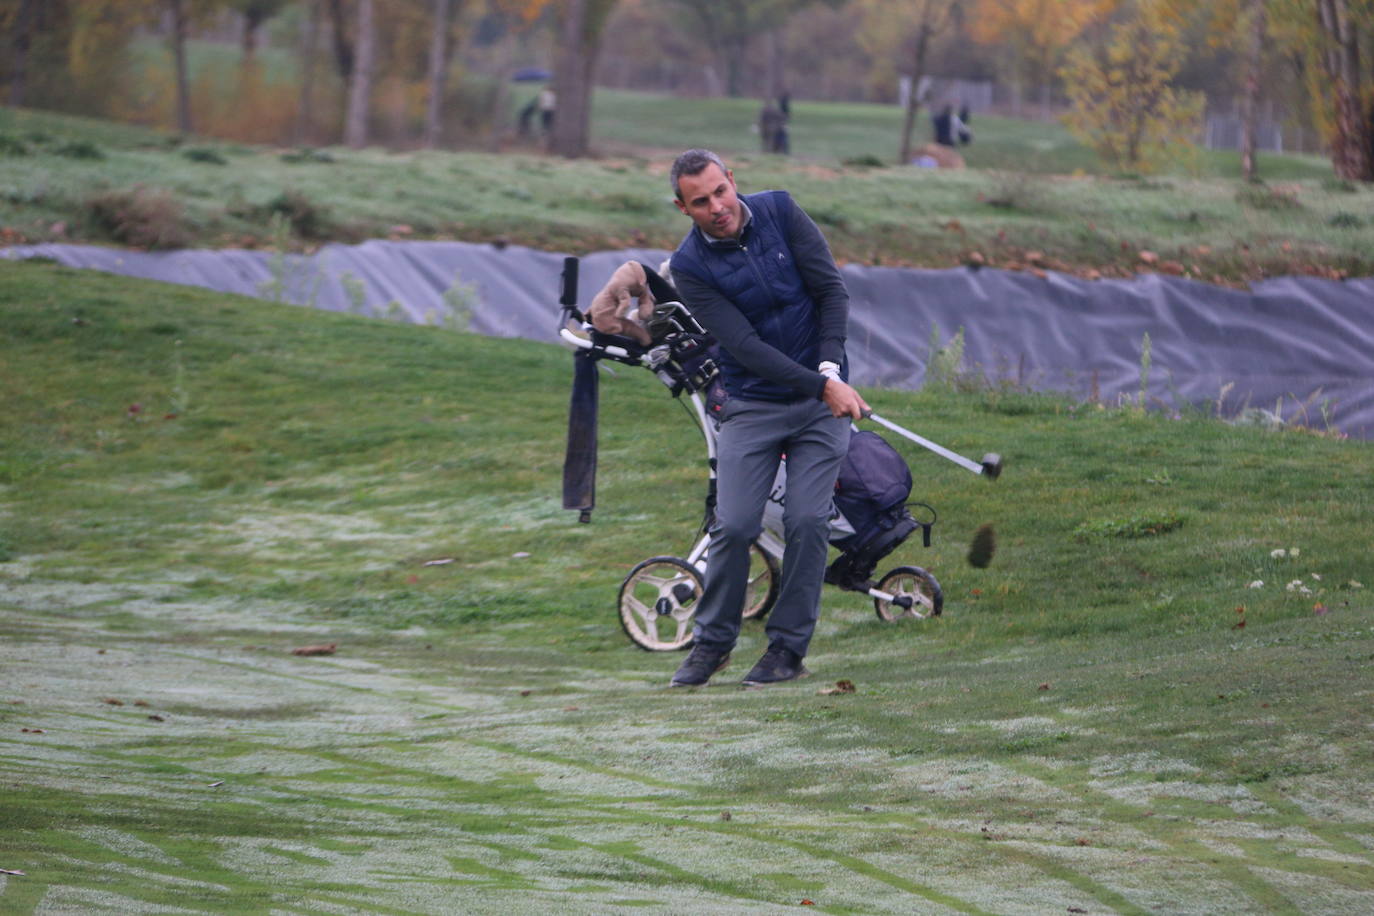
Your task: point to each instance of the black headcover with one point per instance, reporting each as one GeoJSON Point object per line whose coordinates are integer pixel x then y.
{"type": "Point", "coordinates": [579, 465]}
{"type": "Point", "coordinates": [659, 287]}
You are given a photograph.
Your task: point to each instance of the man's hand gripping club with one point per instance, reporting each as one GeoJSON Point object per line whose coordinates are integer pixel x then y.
{"type": "Point", "coordinates": [843, 400]}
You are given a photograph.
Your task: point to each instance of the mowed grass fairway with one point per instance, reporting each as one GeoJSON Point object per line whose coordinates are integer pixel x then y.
{"type": "Point", "coordinates": [1109, 719]}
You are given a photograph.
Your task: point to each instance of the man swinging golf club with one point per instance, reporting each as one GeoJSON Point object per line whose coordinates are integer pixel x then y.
{"type": "Point", "coordinates": [757, 273]}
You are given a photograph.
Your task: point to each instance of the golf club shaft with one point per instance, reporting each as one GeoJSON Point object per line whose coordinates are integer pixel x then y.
{"type": "Point", "coordinates": [940, 450]}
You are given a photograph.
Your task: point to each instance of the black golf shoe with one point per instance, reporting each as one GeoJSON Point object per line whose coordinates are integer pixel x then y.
{"type": "Point", "coordinates": [702, 662]}
{"type": "Point", "coordinates": [778, 664]}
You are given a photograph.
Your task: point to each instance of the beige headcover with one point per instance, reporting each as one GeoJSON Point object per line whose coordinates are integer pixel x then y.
{"type": "Point", "coordinates": [613, 312]}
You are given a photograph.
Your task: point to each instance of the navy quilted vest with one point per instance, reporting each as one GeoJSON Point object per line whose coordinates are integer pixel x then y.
{"type": "Point", "coordinates": [758, 275]}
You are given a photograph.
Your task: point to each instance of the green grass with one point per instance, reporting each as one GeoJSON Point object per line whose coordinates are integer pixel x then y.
{"type": "Point", "coordinates": [1101, 723]}
{"type": "Point", "coordinates": [1005, 211]}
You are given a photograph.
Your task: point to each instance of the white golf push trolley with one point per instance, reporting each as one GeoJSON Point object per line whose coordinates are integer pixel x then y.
{"type": "Point", "coordinates": [872, 513]}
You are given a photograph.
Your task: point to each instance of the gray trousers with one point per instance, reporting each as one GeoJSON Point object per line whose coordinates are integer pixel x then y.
{"type": "Point", "coordinates": [753, 437]}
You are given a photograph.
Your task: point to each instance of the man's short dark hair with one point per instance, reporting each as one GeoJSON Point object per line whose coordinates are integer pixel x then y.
{"type": "Point", "coordinates": [692, 162]}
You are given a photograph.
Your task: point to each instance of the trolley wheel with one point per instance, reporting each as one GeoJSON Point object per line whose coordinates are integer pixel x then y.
{"type": "Point", "coordinates": [909, 584]}
{"type": "Point", "coordinates": [763, 583]}
{"type": "Point", "coordinates": [657, 600]}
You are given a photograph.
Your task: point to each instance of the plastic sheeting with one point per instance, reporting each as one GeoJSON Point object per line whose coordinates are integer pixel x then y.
{"type": "Point", "coordinates": [1303, 345]}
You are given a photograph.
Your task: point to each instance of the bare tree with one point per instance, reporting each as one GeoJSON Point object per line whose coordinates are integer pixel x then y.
{"type": "Point", "coordinates": [360, 86]}
{"type": "Point", "coordinates": [23, 36]}
{"type": "Point", "coordinates": [1254, 54]}
{"type": "Point", "coordinates": [438, 69]}
{"type": "Point", "coordinates": [1352, 147]}
{"type": "Point", "coordinates": [579, 24]}
{"type": "Point", "coordinates": [305, 110]}
{"type": "Point", "coordinates": [180, 23]}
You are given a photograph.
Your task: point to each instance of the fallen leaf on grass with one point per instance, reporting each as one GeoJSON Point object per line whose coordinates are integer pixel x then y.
{"type": "Point", "coordinates": [111, 701]}
{"type": "Point", "coordinates": [442, 562]}
{"type": "Point", "coordinates": [840, 687]}
{"type": "Point", "coordinates": [808, 902]}
{"type": "Point", "coordinates": [33, 731]}
{"type": "Point", "coordinates": [1044, 687]}
{"type": "Point", "coordinates": [215, 785]}
{"type": "Point", "coordinates": [11, 871]}
{"type": "Point", "coordinates": [322, 649]}
{"type": "Point", "coordinates": [157, 718]}
{"type": "Point", "coordinates": [725, 815]}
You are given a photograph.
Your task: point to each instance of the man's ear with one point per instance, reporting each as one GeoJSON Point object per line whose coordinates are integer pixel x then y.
{"type": "Point", "coordinates": [677, 202]}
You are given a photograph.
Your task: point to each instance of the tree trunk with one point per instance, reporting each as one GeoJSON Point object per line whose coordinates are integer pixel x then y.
{"type": "Point", "coordinates": [579, 42]}
{"type": "Point", "coordinates": [1250, 101]}
{"type": "Point", "coordinates": [248, 43]}
{"type": "Point", "coordinates": [1351, 153]}
{"type": "Point", "coordinates": [179, 26]}
{"type": "Point", "coordinates": [343, 48]}
{"type": "Point", "coordinates": [777, 82]}
{"type": "Point", "coordinates": [913, 102]}
{"type": "Point", "coordinates": [23, 36]}
{"type": "Point", "coordinates": [305, 110]}
{"type": "Point", "coordinates": [360, 87]}
{"type": "Point", "coordinates": [438, 69]}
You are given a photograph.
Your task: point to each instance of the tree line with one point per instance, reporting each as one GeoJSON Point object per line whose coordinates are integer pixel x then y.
{"type": "Point", "coordinates": [1131, 68]}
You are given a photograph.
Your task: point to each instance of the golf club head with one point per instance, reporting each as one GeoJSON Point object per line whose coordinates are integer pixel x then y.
{"type": "Point", "coordinates": [992, 465]}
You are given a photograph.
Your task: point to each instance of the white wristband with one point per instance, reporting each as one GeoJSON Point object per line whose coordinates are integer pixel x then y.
{"type": "Point", "coordinates": [829, 370]}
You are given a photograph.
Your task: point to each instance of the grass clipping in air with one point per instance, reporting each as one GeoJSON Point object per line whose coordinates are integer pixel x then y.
{"type": "Point", "coordinates": [983, 546]}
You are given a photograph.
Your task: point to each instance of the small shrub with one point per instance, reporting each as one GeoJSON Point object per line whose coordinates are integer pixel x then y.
{"type": "Point", "coordinates": [140, 217]}
{"type": "Point", "coordinates": [204, 154]}
{"type": "Point", "coordinates": [866, 161]}
{"type": "Point", "coordinates": [1338, 185]}
{"type": "Point", "coordinates": [12, 146]}
{"type": "Point", "coordinates": [1011, 191]}
{"type": "Point", "coordinates": [945, 365]}
{"type": "Point", "coordinates": [1262, 197]}
{"type": "Point", "coordinates": [1343, 220]}
{"type": "Point", "coordinates": [80, 149]}
{"type": "Point", "coordinates": [830, 216]}
{"type": "Point", "coordinates": [296, 157]}
{"type": "Point", "coordinates": [307, 219]}
{"type": "Point", "coordinates": [620, 201]}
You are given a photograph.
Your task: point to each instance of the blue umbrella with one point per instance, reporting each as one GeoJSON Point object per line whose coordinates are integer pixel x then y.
{"type": "Point", "coordinates": [531, 75]}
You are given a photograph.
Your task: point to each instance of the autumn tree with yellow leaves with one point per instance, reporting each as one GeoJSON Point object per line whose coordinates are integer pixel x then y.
{"type": "Point", "coordinates": [1034, 33]}
{"type": "Point", "coordinates": [1124, 104]}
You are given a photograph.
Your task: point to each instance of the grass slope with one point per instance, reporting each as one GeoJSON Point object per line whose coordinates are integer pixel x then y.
{"type": "Point", "coordinates": [1108, 719]}
{"type": "Point", "coordinates": [68, 178]}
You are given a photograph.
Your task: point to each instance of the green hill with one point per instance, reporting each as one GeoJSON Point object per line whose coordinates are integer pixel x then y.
{"type": "Point", "coordinates": [1026, 206]}
{"type": "Point", "coordinates": [1114, 716]}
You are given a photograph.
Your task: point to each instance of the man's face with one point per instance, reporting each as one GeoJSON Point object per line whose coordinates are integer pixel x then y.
{"type": "Point", "coordinates": [709, 198]}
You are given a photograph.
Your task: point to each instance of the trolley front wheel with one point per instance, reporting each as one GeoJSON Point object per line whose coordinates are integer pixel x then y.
{"type": "Point", "coordinates": [914, 591]}
{"type": "Point", "coordinates": [657, 601]}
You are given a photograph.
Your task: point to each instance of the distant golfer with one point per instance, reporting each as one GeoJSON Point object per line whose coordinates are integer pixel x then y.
{"type": "Point", "coordinates": [757, 273]}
